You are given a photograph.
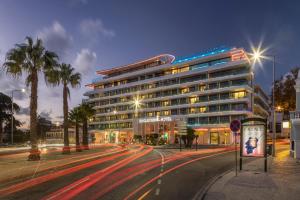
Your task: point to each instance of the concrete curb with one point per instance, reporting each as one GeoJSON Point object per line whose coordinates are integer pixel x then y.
{"type": "Point", "coordinates": [200, 195]}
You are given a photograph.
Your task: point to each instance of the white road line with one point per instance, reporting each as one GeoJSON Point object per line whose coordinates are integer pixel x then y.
{"type": "Point", "coordinates": [157, 191]}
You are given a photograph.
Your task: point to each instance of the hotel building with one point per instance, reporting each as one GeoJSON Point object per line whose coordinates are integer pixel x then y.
{"type": "Point", "coordinates": [157, 96]}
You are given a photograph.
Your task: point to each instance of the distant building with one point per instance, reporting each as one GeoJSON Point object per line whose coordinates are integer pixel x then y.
{"type": "Point", "coordinates": [56, 134]}
{"type": "Point", "coordinates": [153, 96]}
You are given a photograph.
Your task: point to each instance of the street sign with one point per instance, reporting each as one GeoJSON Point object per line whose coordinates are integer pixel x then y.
{"type": "Point", "coordinates": [235, 125]}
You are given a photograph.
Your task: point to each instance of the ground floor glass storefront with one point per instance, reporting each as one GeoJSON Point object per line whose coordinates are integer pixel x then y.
{"type": "Point", "coordinates": [164, 131]}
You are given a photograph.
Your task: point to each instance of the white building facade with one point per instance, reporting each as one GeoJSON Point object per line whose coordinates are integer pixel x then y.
{"type": "Point", "coordinates": [151, 98]}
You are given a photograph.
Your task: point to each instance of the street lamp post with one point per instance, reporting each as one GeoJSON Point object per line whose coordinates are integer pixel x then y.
{"type": "Point", "coordinates": [137, 104]}
{"type": "Point", "coordinates": [257, 54]}
{"type": "Point", "coordinates": [115, 113]}
{"type": "Point", "coordinates": [12, 113]}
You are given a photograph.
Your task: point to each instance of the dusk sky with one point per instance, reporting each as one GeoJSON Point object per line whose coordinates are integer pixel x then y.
{"type": "Point", "coordinates": [93, 35]}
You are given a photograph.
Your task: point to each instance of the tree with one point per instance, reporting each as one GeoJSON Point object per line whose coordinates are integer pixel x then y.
{"type": "Point", "coordinates": [87, 113]}
{"type": "Point", "coordinates": [189, 137]}
{"type": "Point", "coordinates": [7, 128]}
{"type": "Point", "coordinates": [76, 117]}
{"type": "Point", "coordinates": [67, 76]}
{"type": "Point", "coordinates": [33, 59]}
{"type": "Point", "coordinates": [5, 112]}
{"type": "Point", "coordinates": [285, 94]}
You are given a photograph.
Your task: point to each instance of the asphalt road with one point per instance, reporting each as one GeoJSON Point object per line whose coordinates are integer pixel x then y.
{"type": "Point", "coordinates": [138, 173]}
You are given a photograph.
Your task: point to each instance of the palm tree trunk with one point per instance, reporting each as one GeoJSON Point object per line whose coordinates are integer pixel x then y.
{"type": "Point", "coordinates": [34, 152]}
{"type": "Point", "coordinates": [66, 149]}
{"type": "Point", "coordinates": [1, 131]}
{"type": "Point", "coordinates": [78, 148]}
{"type": "Point", "coordinates": [85, 135]}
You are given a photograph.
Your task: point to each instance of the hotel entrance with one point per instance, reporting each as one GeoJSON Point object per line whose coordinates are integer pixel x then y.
{"type": "Point", "coordinates": [214, 138]}
{"type": "Point", "coordinates": [156, 131]}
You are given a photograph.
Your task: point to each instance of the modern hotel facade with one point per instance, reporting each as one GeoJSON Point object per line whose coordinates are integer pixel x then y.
{"type": "Point", "coordinates": [157, 96]}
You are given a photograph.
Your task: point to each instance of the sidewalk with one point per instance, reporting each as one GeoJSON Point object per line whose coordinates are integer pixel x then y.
{"type": "Point", "coordinates": [282, 181]}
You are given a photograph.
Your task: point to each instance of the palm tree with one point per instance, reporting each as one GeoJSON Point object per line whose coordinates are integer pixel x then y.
{"type": "Point", "coordinates": [5, 111]}
{"type": "Point", "coordinates": [32, 58]}
{"type": "Point", "coordinates": [67, 77]}
{"type": "Point", "coordinates": [87, 113]}
{"type": "Point", "coordinates": [75, 116]}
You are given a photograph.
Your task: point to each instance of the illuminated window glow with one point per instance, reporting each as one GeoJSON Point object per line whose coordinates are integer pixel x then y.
{"type": "Point", "coordinates": [193, 100]}
{"type": "Point", "coordinates": [202, 109]}
{"type": "Point", "coordinates": [237, 95]}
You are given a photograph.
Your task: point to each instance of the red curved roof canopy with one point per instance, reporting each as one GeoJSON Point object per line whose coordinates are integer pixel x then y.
{"type": "Point", "coordinates": [164, 58]}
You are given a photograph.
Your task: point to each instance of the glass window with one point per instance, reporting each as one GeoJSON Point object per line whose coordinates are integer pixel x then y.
{"type": "Point", "coordinates": [224, 119]}
{"type": "Point", "coordinates": [203, 98]}
{"type": "Point", "coordinates": [224, 107]}
{"type": "Point", "coordinates": [174, 112]}
{"type": "Point", "coordinates": [239, 82]}
{"type": "Point", "coordinates": [203, 120]}
{"type": "Point", "coordinates": [213, 86]}
{"type": "Point", "coordinates": [214, 97]}
{"type": "Point", "coordinates": [193, 100]}
{"type": "Point", "coordinates": [183, 111]}
{"type": "Point", "coordinates": [185, 69]}
{"type": "Point", "coordinates": [213, 108]}
{"type": "Point", "coordinates": [165, 103]}
{"type": "Point", "coordinates": [202, 109]}
{"type": "Point", "coordinates": [193, 110]}
{"type": "Point", "coordinates": [202, 88]}
{"type": "Point", "coordinates": [192, 121]}
{"type": "Point", "coordinates": [224, 84]}
{"type": "Point", "coordinates": [238, 106]}
{"type": "Point", "coordinates": [183, 100]}
{"type": "Point", "coordinates": [224, 95]}
{"type": "Point", "coordinates": [237, 95]}
{"type": "Point", "coordinates": [213, 120]}
{"type": "Point", "coordinates": [184, 90]}
{"type": "Point", "coordinates": [199, 66]}
{"type": "Point", "coordinates": [174, 102]}
{"type": "Point", "coordinates": [166, 112]}
{"type": "Point", "coordinates": [174, 71]}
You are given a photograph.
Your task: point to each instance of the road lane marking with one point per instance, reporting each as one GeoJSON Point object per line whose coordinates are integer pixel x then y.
{"type": "Point", "coordinates": [172, 169]}
{"type": "Point", "coordinates": [145, 194]}
{"type": "Point", "coordinates": [157, 191]}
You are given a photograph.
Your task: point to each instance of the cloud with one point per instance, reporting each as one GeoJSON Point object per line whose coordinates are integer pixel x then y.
{"type": "Point", "coordinates": [56, 38]}
{"type": "Point", "coordinates": [94, 28]}
{"type": "Point", "coordinates": [24, 111]}
{"type": "Point", "coordinates": [85, 61]}
{"type": "Point", "coordinates": [46, 114]}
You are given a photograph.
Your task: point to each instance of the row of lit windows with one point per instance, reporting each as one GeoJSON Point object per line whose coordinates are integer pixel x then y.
{"type": "Point", "coordinates": [180, 111]}
{"type": "Point", "coordinates": [162, 83]}
{"type": "Point", "coordinates": [172, 92]}
{"type": "Point", "coordinates": [173, 70]}
{"type": "Point", "coordinates": [179, 101]}
{"type": "Point", "coordinates": [192, 121]}
{"type": "Point", "coordinates": [213, 120]}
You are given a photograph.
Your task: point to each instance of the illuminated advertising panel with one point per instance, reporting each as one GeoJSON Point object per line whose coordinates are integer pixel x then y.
{"type": "Point", "coordinates": [253, 141]}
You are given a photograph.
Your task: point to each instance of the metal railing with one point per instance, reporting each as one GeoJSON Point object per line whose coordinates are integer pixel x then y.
{"type": "Point", "coordinates": [294, 114]}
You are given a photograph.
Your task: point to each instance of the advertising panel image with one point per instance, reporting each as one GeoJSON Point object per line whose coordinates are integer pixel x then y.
{"type": "Point", "coordinates": [253, 141]}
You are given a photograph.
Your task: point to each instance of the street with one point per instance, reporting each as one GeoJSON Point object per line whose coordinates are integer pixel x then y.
{"type": "Point", "coordinates": [137, 172]}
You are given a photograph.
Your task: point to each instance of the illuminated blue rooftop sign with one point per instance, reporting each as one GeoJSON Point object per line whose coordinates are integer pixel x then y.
{"type": "Point", "coordinates": [203, 54]}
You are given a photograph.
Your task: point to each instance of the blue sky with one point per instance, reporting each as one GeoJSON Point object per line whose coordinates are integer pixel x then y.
{"type": "Point", "coordinates": [92, 34]}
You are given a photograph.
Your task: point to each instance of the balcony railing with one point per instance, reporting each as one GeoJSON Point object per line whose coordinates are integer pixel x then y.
{"type": "Point", "coordinates": [294, 114]}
